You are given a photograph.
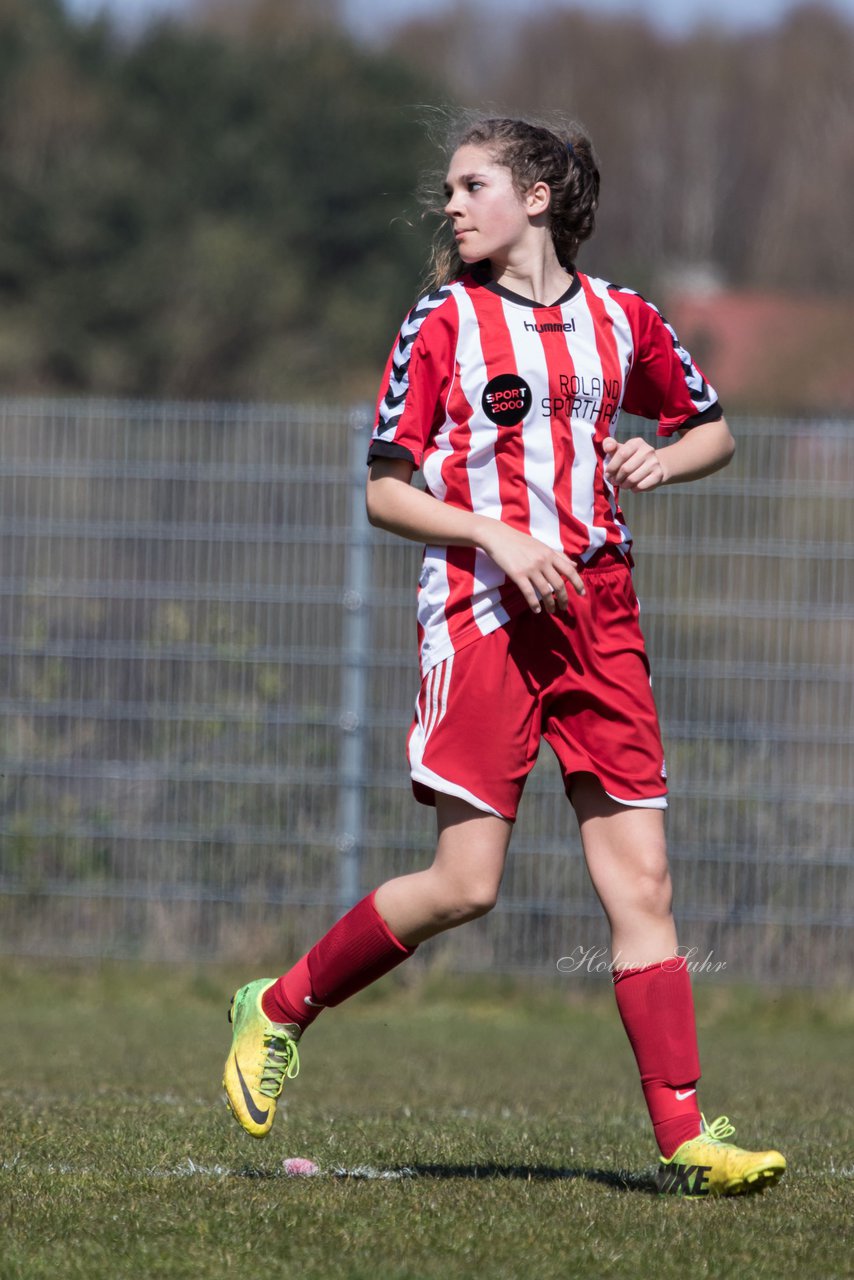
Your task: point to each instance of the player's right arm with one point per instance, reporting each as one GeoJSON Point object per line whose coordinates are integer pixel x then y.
{"type": "Point", "coordinates": [540, 572]}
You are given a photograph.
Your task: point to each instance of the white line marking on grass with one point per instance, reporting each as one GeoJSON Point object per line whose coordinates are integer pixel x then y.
{"type": "Point", "coordinates": [195, 1169]}
{"type": "Point", "coordinates": [361, 1172]}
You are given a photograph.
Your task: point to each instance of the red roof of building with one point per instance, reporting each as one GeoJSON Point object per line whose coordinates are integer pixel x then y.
{"type": "Point", "coordinates": [771, 353]}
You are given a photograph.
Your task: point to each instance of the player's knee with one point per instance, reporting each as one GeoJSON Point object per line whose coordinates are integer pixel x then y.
{"type": "Point", "coordinates": [653, 888]}
{"type": "Point", "coordinates": [477, 900]}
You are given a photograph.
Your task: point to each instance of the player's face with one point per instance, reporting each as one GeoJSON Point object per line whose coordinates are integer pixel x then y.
{"type": "Point", "coordinates": [488, 215]}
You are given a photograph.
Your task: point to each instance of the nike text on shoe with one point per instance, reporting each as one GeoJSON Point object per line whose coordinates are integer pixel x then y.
{"type": "Point", "coordinates": [263, 1055]}
{"type": "Point", "coordinates": [708, 1166]}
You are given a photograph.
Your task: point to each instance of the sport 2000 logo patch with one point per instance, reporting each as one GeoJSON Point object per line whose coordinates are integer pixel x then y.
{"type": "Point", "coordinates": [506, 399]}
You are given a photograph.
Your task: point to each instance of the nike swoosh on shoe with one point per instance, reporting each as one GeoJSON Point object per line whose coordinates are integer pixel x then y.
{"type": "Point", "coordinates": [255, 1112]}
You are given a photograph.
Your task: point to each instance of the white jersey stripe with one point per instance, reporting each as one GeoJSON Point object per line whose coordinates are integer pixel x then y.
{"type": "Point", "coordinates": [482, 471]}
{"type": "Point", "coordinates": [539, 447]}
{"type": "Point", "coordinates": [622, 336]}
{"type": "Point", "coordinates": [588, 376]}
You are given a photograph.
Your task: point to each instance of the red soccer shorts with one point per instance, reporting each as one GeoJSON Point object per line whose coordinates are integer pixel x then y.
{"type": "Point", "coordinates": [578, 679]}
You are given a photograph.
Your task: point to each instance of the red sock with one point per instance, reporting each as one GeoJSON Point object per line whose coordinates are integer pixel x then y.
{"type": "Point", "coordinates": [657, 1010]}
{"type": "Point", "coordinates": [289, 999]}
{"type": "Point", "coordinates": [355, 952]}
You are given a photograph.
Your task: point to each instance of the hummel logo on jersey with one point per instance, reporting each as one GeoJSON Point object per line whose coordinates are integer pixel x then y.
{"type": "Point", "coordinates": [569, 327]}
{"type": "Point", "coordinates": [506, 399]}
{"type": "Point", "coordinates": [256, 1113]}
{"type": "Point", "coordinates": [676, 1179]}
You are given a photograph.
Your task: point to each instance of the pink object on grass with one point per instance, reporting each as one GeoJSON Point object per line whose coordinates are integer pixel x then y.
{"type": "Point", "coordinates": [299, 1167]}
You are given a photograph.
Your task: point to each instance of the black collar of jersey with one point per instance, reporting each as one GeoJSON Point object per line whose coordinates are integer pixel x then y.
{"type": "Point", "coordinates": [481, 274]}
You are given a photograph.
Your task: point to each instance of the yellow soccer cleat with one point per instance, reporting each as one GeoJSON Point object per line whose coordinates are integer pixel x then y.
{"type": "Point", "coordinates": [708, 1166]}
{"type": "Point", "coordinates": [263, 1055]}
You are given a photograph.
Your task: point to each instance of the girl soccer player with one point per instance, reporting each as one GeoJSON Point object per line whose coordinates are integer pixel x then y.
{"type": "Point", "coordinates": [504, 386]}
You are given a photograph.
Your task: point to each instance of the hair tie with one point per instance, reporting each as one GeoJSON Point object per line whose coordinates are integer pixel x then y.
{"type": "Point", "coordinates": [570, 150]}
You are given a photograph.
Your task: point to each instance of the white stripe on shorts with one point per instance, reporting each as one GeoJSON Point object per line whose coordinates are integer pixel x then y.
{"type": "Point", "coordinates": [420, 773]}
{"type": "Point", "coordinates": [653, 802]}
{"type": "Point", "coordinates": [437, 684]}
{"type": "Point", "coordinates": [436, 695]}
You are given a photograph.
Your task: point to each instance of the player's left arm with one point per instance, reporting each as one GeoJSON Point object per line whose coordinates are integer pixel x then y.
{"type": "Point", "coordinates": [637, 465]}
{"type": "Point", "coordinates": [665, 384]}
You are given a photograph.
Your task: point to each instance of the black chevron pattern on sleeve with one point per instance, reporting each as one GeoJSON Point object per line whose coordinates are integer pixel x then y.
{"type": "Point", "coordinates": [394, 401]}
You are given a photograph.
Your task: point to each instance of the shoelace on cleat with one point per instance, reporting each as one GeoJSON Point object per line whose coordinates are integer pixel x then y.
{"type": "Point", "coordinates": [281, 1062]}
{"type": "Point", "coordinates": [718, 1130]}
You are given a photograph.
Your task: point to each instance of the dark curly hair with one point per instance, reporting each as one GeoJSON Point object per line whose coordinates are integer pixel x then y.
{"type": "Point", "coordinates": [561, 156]}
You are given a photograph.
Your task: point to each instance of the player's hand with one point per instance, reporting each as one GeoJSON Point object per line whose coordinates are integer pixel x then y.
{"type": "Point", "coordinates": [635, 464]}
{"type": "Point", "coordinates": [541, 573]}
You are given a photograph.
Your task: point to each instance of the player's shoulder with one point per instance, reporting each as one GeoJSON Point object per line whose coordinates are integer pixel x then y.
{"type": "Point", "coordinates": [644, 318]}
{"type": "Point", "coordinates": [428, 332]}
{"type": "Point", "coordinates": [430, 307]}
{"type": "Point", "coordinates": [631, 300]}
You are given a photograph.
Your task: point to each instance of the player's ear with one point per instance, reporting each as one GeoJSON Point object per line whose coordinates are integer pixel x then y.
{"type": "Point", "coordinates": [538, 198]}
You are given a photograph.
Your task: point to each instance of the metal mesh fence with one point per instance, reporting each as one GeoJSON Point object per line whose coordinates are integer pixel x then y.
{"type": "Point", "coordinates": [207, 669]}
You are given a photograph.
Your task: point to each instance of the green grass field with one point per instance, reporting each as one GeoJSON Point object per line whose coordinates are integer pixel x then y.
{"type": "Point", "coordinates": [464, 1129]}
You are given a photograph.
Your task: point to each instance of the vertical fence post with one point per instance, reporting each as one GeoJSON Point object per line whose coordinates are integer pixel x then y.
{"type": "Point", "coordinates": [356, 641]}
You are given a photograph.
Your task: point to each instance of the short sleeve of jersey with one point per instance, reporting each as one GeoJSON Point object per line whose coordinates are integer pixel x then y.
{"type": "Point", "coordinates": [417, 378]}
{"type": "Point", "coordinates": [664, 383]}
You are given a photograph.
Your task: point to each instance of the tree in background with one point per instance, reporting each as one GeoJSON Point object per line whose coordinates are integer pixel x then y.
{"type": "Point", "coordinates": [198, 214]}
{"type": "Point", "coordinates": [224, 207]}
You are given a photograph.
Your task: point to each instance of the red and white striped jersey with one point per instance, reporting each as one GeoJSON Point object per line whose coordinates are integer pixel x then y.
{"type": "Point", "coordinates": [505, 404]}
